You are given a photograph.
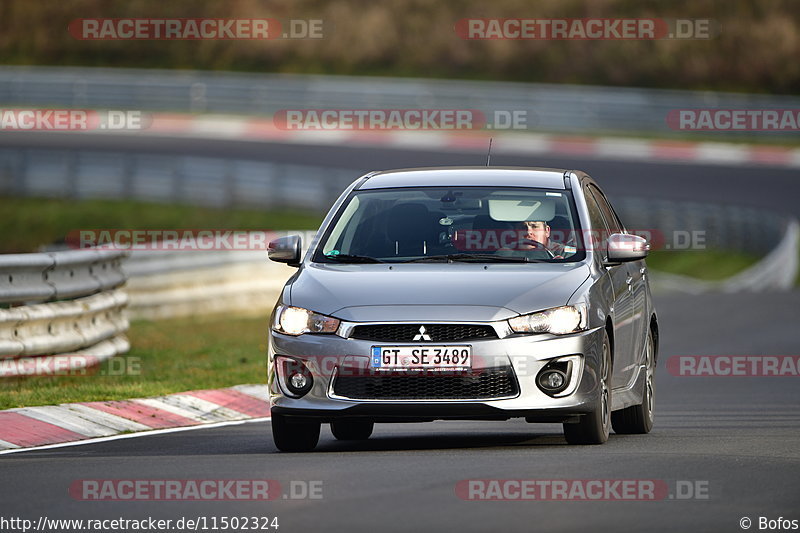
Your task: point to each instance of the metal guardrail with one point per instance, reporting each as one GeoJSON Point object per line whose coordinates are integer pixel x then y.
{"type": "Point", "coordinates": [555, 108]}
{"type": "Point", "coordinates": [180, 283]}
{"type": "Point", "coordinates": [695, 225]}
{"type": "Point", "coordinates": [208, 181]}
{"type": "Point", "coordinates": [221, 182]}
{"type": "Point", "coordinates": [776, 271]}
{"type": "Point", "coordinates": [243, 288]}
{"type": "Point", "coordinates": [62, 310]}
{"type": "Point", "coordinates": [30, 278]}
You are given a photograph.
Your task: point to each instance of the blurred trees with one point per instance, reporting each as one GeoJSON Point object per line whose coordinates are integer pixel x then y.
{"type": "Point", "coordinates": [756, 49]}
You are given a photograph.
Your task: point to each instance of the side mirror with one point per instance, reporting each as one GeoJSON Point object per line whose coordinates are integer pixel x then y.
{"type": "Point", "coordinates": [624, 247]}
{"type": "Point", "coordinates": [285, 250]}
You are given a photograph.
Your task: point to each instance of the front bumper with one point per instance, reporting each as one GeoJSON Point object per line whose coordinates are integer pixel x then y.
{"type": "Point", "coordinates": [526, 355]}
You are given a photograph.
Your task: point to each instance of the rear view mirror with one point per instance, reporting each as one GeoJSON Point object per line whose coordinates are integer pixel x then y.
{"type": "Point", "coordinates": [624, 247]}
{"type": "Point", "coordinates": [285, 250]}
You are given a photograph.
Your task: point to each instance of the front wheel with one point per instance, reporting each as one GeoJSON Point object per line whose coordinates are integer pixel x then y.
{"type": "Point", "coordinates": [638, 419]}
{"type": "Point", "coordinates": [296, 435]}
{"type": "Point", "coordinates": [594, 427]}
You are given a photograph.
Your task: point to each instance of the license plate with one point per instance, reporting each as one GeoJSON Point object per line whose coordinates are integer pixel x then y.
{"type": "Point", "coordinates": [421, 357]}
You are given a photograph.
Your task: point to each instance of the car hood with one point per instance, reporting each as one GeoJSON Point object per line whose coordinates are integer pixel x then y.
{"type": "Point", "coordinates": [427, 291]}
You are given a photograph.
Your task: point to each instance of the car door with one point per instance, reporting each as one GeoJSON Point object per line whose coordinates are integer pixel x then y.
{"type": "Point", "coordinates": [637, 273]}
{"type": "Point", "coordinates": [621, 282]}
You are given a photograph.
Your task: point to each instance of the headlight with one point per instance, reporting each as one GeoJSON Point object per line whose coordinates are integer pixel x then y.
{"type": "Point", "coordinates": [296, 321]}
{"type": "Point", "coordinates": [558, 320]}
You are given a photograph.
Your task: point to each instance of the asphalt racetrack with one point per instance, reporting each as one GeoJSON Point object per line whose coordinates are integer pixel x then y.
{"type": "Point", "coordinates": [732, 441]}
{"type": "Point", "coordinates": [772, 188]}
{"type": "Point", "coordinates": [725, 447]}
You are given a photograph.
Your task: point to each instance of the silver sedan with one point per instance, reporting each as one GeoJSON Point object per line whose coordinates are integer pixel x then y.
{"type": "Point", "coordinates": [464, 293]}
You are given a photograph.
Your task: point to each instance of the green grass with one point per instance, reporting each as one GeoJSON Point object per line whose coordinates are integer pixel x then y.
{"type": "Point", "coordinates": [167, 356]}
{"type": "Point", "coordinates": [28, 223]}
{"type": "Point", "coordinates": [709, 265]}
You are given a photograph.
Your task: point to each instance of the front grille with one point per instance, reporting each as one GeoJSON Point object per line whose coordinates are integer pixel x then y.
{"type": "Point", "coordinates": [472, 385]}
{"type": "Point", "coordinates": [437, 332]}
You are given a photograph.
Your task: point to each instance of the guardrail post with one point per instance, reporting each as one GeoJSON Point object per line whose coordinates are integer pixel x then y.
{"type": "Point", "coordinates": [128, 175]}
{"type": "Point", "coordinates": [20, 173]}
{"type": "Point", "coordinates": [197, 97]}
{"type": "Point", "coordinates": [229, 184]}
{"type": "Point", "coordinates": [71, 169]}
{"type": "Point", "coordinates": [279, 183]}
{"type": "Point", "coordinates": [79, 93]}
{"type": "Point", "coordinates": [178, 181]}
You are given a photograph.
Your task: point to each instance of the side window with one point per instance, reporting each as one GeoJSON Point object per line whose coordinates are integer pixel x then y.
{"type": "Point", "coordinates": [599, 232]}
{"type": "Point", "coordinates": [616, 217]}
{"type": "Point", "coordinates": [595, 216]}
{"type": "Point", "coordinates": [612, 221]}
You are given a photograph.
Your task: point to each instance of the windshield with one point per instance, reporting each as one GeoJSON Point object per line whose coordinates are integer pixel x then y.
{"type": "Point", "coordinates": [485, 224]}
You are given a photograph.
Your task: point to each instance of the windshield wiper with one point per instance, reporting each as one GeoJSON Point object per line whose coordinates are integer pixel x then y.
{"type": "Point", "coordinates": [478, 258]}
{"type": "Point", "coordinates": [348, 258]}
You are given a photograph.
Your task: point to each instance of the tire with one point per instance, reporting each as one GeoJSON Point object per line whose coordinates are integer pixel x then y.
{"type": "Point", "coordinates": [638, 419]}
{"type": "Point", "coordinates": [594, 427]}
{"type": "Point", "coordinates": [295, 436]}
{"type": "Point", "coordinates": [352, 429]}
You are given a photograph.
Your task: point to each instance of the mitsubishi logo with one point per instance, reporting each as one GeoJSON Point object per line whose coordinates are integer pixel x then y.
{"type": "Point", "coordinates": [422, 335]}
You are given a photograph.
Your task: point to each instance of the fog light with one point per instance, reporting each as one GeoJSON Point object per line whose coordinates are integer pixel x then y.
{"type": "Point", "coordinates": [298, 381]}
{"type": "Point", "coordinates": [552, 380]}
{"type": "Point", "coordinates": [555, 378]}
{"type": "Point", "coordinates": [295, 377]}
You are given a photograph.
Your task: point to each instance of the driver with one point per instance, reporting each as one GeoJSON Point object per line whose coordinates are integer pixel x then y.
{"type": "Point", "coordinates": [538, 231]}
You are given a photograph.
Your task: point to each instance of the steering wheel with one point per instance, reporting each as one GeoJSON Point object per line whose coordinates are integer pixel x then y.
{"type": "Point", "coordinates": [527, 246]}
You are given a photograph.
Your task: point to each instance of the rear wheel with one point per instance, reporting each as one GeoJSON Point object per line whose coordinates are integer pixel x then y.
{"type": "Point", "coordinates": [639, 418]}
{"type": "Point", "coordinates": [352, 429]}
{"type": "Point", "coordinates": [594, 427]}
{"type": "Point", "coordinates": [297, 435]}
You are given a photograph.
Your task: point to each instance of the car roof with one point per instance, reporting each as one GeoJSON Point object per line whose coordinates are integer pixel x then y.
{"type": "Point", "coordinates": [547, 178]}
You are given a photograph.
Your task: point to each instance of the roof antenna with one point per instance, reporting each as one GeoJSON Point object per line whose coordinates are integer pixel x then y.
{"type": "Point", "coordinates": [489, 155]}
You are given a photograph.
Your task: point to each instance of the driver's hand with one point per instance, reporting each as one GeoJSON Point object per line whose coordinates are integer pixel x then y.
{"type": "Point", "coordinates": [529, 244]}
